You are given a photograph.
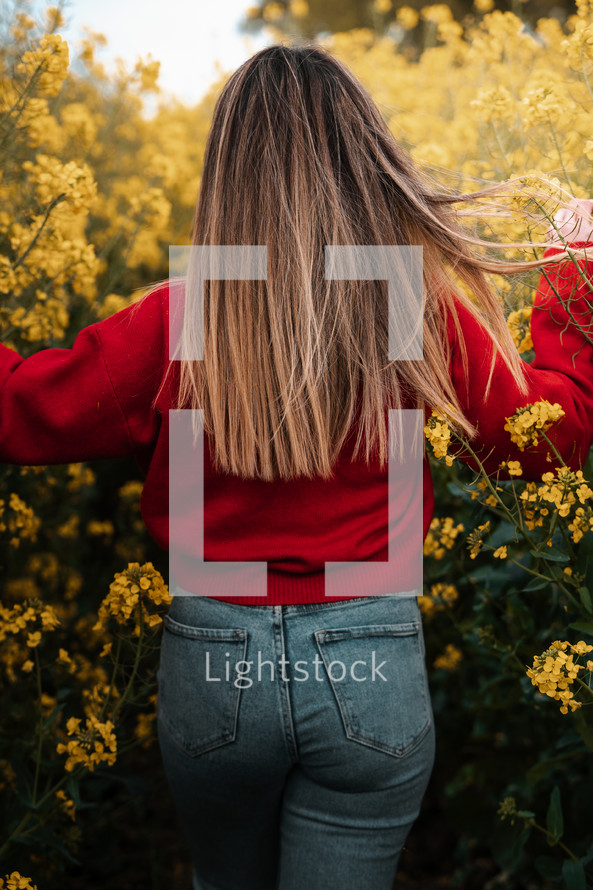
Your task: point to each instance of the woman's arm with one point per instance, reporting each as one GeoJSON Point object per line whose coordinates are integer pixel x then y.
{"type": "Point", "coordinates": [88, 402]}
{"type": "Point", "coordinates": [562, 371]}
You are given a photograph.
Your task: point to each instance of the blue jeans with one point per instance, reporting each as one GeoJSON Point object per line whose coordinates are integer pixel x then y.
{"type": "Point", "coordinates": [297, 741]}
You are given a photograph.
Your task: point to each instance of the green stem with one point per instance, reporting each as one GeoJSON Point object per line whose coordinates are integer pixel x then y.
{"type": "Point", "coordinates": [558, 843]}
{"type": "Point", "coordinates": [112, 681]}
{"type": "Point", "coordinates": [511, 517]}
{"type": "Point", "coordinates": [585, 78]}
{"type": "Point", "coordinates": [553, 447]}
{"type": "Point", "coordinates": [553, 131]}
{"type": "Point", "coordinates": [502, 151]}
{"type": "Point", "coordinates": [39, 727]}
{"type": "Point", "coordinates": [57, 200]}
{"type": "Point", "coordinates": [135, 667]}
{"type": "Point", "coordinates": [492, 488]}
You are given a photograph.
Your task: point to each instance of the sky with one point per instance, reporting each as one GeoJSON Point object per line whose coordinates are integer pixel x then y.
{"type": "Point", "coordinates": [188, 38]}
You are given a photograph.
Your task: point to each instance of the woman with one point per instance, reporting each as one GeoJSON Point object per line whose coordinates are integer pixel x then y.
{"type": "Point", "coordinates": [296, 727]}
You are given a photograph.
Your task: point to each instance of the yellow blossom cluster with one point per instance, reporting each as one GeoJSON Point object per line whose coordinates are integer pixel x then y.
{"type": "Point", "coordinates": [475, 539]}
{"type": "Point", "coordinates": [16, 881]}
{"type": "Point", "coordinates": [129, 595]}
{"type": "Point", "coordinates": [441, 596]}
{"type": "Point", "coordinates": [537, 192]}
{"type": "Point", "coordinates": [508, 809]}
{"type": "Point", "coordinates": [147, 74]}
{"type": "Point", "coordinates": [513, 467]}
{"type": "Point", "coordinates": [94, 744]}
{"type": "Point", "coordinates": [544, 104]}
{"type": "Point", "coordinates": [554, 672]}
{"type": "Point", "coordinates": [46, 318]}
{"type": "Point", "coordinates": [47, 65]}
{"type": "Point", "coordinates": [482, 486]}
{"type": "Point", "coordinates": [438, 434]}
{"type": "Point", "coordinates": [66, 804]}
{"type": "Point", "coordinates": [21, 523]}
{"type": "Point", "coordinates": [450, 658]}
{"type": "Point", "coordinates": [563, 488]}
{"type": "Point", "coordinates": [407, 17]}
{"type": "Point", "coordinates": [99, 528]}
{"type": "Point", "coordinates": [55, 181]}
{"type": "Point", "coordinates": [494, 103]}
{"type": "Point", "coordinates": [441, 536]}
{"type": "Point", "coordinates": [32, 616]}
{"type": "Point", "coordinates": [94, 698]}
{"type": "Point", "coordinates": [80, 475]}
{"type": "Point", "coordinates": [518, 323]}
{"type": "Point", "coordinates": [525, 424]}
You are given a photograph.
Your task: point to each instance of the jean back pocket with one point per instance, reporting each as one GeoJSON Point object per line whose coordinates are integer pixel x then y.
{"type": "Point", "coordinates": [379, 680]}
{"type": "Point", "coordinates": [197, 700]}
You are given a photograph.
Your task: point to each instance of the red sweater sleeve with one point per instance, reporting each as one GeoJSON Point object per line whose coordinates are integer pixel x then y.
{"type": "Point", "coordinates": [88, 402]}
{"type": "Point", "coordinates": [562, 371]}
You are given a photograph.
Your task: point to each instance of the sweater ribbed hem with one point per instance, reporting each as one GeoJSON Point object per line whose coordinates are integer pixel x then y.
{"type": "Point", "coordinates": [285, 588]}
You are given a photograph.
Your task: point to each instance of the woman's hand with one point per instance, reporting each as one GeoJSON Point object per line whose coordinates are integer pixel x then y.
{"type": "Point", "coordinates": [573, 223]}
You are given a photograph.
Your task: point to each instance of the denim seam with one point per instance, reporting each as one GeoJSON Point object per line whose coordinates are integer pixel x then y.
{"type": "Point", "coordinates": [279, 649]}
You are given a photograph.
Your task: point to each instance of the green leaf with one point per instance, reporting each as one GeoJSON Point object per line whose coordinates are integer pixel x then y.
{"type": "Point", "coordinates": [551, 553]}
{"type": "Point", "coordinates": [554, 820]}
{"type": "Point", "coordinates": [537, 584]}
{"type": "Point", "coordinates": [586, 599]}
{"type": "Point", "coordinates": [573, 875]}
{"type": "Point", "coordinates": [585, 626]}
{"type": "Point", "coordinates": [584, 729]}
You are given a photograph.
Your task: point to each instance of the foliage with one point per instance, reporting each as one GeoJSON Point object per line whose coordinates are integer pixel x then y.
{"type": "Point", "coordinates": [91, 195]}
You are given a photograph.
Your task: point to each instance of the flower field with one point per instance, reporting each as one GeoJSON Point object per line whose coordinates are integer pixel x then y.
{"type": "Point", "coordinates": [92, 193]}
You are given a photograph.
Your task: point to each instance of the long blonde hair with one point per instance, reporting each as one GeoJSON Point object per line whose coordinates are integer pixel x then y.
{"type": "Point", "coordinates": [298, 157]}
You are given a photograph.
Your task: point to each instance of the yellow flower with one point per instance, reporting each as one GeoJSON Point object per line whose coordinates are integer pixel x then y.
{"type": "Point", "coordinates": [299, 9]}
{"type": "Point", "coordinates": [525, 424]}
{"type": "Point", "coordinates": [519, 325]}
{"type": "Point", "coordinates": [508, 808]}
{"type": "Point", "coordinates": [134, 588]}
{"type": "Point", "coordinates": [16, 881]}
{"type": "Point", "coordinates": [554, 672]}
{"type": "Point", "coordinates": [147, 73]}
{"type": "Point", "coordinates": [67, 804]}
{"type": "Point", "coordinates": [450, 659]}
{"type": "Point", "coordinates": [71, 180]}
{"type": "Point", "coordinates": [493, 103]}
{"type": "Point", "coordinates": [93, 745]}
{"type": "Point", "coordinates": [48, 64]}
{"type": "Point", "coordinates": [501, 552]}
{"type": "Point", "coordinates": [474, 539]}
{"type": "Point", "coordinates": [439, 13]}
{"type": "Point", "coordinates": [441, 536]}
{"type": "Point", "coordinates": [513, 467]}
{"type": "Point", "coordinates": [407, 17]}
{"type": "Point", "coordinates": [438, 433]}
{"type": "Point", "coordinates": [441, 595]}
{"type": "Point", "coordinates": [272, 12]}
{"type": "Point", "coordinates": [544, 104]}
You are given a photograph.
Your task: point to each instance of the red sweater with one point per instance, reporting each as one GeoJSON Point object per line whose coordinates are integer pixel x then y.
{"type": "Point", "coordinates": [93, 401]}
